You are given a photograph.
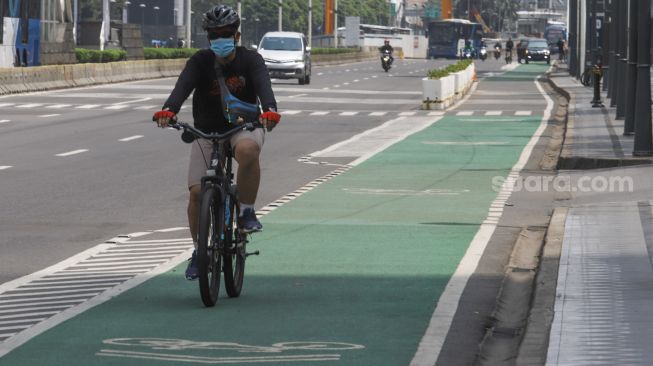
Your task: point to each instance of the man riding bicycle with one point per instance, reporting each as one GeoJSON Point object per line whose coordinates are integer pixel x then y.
{"type": "Point", "coordinates": [247, 79]}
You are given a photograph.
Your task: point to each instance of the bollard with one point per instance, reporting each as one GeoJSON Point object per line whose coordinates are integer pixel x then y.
{"type": "Point", "coordinates": [597, 72]}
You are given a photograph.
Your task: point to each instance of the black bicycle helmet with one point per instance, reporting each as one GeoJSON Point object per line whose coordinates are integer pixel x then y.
{"type": "Point", "coordinates": [220, 16]}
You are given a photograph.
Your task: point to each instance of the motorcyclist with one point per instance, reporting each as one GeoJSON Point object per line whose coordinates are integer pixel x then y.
{"type": "Point", "coordinates": [386, 47]}
{"type": "Point", "coordinates": [469, 48]}
{"type": "Point", "coordinates": [497, 49]}
{"type": "Point", "coordinates": [509, 46]}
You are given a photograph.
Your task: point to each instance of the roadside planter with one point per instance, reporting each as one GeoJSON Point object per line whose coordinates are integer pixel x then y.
{"type": "Point", "coordinates": [439, 92]}
{"type": "Point", "coordinates": [444, 86]}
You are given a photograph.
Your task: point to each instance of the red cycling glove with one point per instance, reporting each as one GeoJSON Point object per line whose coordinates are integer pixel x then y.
{"type": "Point", "coordinates": [271, 116]}
{"type": "Point", "coordinates": [163, 114]}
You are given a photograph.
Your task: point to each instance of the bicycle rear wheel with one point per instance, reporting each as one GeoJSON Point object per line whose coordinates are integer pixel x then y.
{"type": "Point", "coordinates": [235, 253]}
{"type": "Point", "coordinates": [208, 256]}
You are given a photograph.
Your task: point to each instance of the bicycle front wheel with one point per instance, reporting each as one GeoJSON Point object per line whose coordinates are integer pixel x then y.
{"type": "Point", "coordinates": [235, 253]}
{"type": "Point", "coordinates": [208, 243]}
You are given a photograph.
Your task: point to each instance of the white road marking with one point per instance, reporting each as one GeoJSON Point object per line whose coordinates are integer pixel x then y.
{"type": "Point", "coordinates": [49, 115]}
{"type": "Point", "coordinates": [356, 80]}
{"type": "Point", "coordinates": [87, 106]}
{"type": "Point", "coordinates": [378, 113]}
{"type": "Point", "coordinates": [319, 113]}
{"type": "Point", "coordinates": [407, 114]}
{"type": "Point", "coordinates": [74, 152]}
{"type": "Point", "coordinates": [147, 107]}
{"type": "Point", "coordinates": [290, 113]}
{"type": "Point", "coordinates": [371, 142]}
{"type": "Point", "coordinates": [345, 83]}
{"type": "Point", "coordinates": [523, 113]}
{"type": "Point", "coordinates": [493, 113]}
{"type": "Point", "coordinates": [117, 106]}
{"type": "Point", "coordinates": [438, 328]}
{"type": "Point", "coordinates": [6, 104]}
{"type": "Point", "coordinates": [336, 86]}
{"type": "Point", "coordinates": [133, 101]}
{"type": "Point", "coordinates": [31, 105]}
{"type": "Point", "coordinates": [348, 113]}
{"type": "Point", "coordinates": [4, 120]}
{"type": "Point", "coordinates": [465, 113]}
{"type": "Point", "coordinates": [297, 96]}
{"type": "Point", "coordinates": [345, 91]}
{"type": "Point", "coordinates": [130, 138]}
{"type": "Point", "coordinates": [3, 167]}
{"type": "Point", "coordinates": [59, 106]}
{"type": "Point", "coordinates": [439, 113]}
{"type": "Point", "coordinates": [464, 143]}
{"type": "Point", "coordinates": [320, 73]}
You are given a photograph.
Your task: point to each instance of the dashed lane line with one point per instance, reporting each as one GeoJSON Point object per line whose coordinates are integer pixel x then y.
{"type": "Point", "coordinates": [4, 121]}
{"type": "Point", "coordinates": [49, 115]}
{"type": "Point", "coordinates": [523, 113]}
{"type": "Point", "coordinates": [131, 138]}
{"type": "Point", "coordinates": [59, 106]}
{"type": "Point", "coordinates": [5, 167]}
{"type": "Point", "coordinates": [74, 152]}
{"type": "Point", "coordinates": [493, 113]}
{"type": "Point", "coordinates": [87, 106]}
{"type": "Point", "coordinates": [30, 105]}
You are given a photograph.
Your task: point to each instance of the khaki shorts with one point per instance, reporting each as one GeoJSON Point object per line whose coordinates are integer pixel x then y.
{"type": "Point", "coordinates": [200, 153]}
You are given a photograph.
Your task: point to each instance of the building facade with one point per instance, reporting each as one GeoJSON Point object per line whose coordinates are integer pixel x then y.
{"type": "Point", "coordinates": [36, 32]}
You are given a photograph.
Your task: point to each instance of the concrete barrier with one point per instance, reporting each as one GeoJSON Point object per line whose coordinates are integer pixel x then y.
{"type": "Point", "coordinates": [21, 79]}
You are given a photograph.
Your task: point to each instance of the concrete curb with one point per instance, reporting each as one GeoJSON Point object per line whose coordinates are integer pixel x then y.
{"type": "Point", "coordinates": [570, 162]}
{"type": "Point", "coordinates": [500, 346]}
{"type": "Point", "coordinates": [22, 80]}
{"type": "Point", "coordinates": [535, 343]}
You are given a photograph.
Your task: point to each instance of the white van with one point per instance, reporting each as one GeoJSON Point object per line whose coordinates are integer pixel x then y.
{"type": "Point", "coordinates": [286, 56]}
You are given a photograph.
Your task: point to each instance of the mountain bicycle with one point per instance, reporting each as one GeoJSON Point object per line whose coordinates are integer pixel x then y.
{"type": "Point", "coordinates": [221, 246]}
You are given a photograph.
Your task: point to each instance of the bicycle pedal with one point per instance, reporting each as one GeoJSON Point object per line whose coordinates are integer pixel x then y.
{"type": "Point", "coordinates": [252, 253]}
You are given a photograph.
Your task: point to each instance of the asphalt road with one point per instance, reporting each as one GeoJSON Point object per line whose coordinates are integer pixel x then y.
{"type": "Point", "coordinates": [69, 180]}
{"type": "Point", "coordinates": [80, 166]}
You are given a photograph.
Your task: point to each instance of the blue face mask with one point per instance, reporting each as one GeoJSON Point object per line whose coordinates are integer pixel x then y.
{"type": "Point", "coordinates": [223, 47]}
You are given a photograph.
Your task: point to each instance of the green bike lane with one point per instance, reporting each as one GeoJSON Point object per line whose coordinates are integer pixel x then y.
{"type": "Point", "coordinates": [349, 273]}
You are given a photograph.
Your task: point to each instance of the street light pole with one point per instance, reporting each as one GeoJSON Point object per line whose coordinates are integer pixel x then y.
{"type": "Point", "coordinates": [335, 24]}
{"type": "Point", "coordinates": [643, 128]}
{"type": "Point", "coordinates": [310, 22]}
{"type": "Point", "coordinates": [623, 49]}
{"type": "Point", "coordinates": [240, 14]}
{"type": "Point", "coordinates": [631, 76]}
{"type": "Point", "coordinates": [75, 16]}
{"type": "Point", "coordinates": [280, 15]}
{"type": "Point", "coordinates": [188, 33]}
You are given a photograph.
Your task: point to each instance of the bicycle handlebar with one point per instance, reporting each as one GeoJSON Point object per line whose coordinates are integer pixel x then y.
{"type": "Point", "coordinates": [249, 126]}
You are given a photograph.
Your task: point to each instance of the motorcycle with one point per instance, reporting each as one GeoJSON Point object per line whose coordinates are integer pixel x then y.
{"type": "Point", "coordinates": [497, 53]}
{"type": "Point", "coordinates": [386, 60]}
{"type": "Point", "coordinates": [483, 53]}
{"type": "Point", "coordinates": [467, 53]}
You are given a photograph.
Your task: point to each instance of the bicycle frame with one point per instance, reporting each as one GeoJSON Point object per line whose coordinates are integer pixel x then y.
{"type": "Point", "coordinates": [221, 245]}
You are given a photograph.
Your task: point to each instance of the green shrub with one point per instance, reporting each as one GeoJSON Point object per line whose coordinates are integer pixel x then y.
{"type": "Point", "coordinates": [113, 55]}
{"type": "Point", "coordinates": [151, 53]}
{"type": "Point", "coordinates": [86, 56]}
{"type": "Point", "coordinates": [449, 69]}
{"type": "Point", "coordinates": [332, 51]}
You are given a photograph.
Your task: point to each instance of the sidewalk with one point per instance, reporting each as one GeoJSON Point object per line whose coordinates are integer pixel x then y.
{"type": "Point", "coordinates": [604, 287]}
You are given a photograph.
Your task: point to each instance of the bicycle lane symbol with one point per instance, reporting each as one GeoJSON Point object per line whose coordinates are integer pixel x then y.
{"type": "Point", "coordinates": [181, 350]}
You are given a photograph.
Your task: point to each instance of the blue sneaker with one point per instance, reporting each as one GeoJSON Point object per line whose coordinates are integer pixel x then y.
{"type": "Point", "coordinates": [248, 223]}
{"type": "Point", "coordinates": [191, 271]}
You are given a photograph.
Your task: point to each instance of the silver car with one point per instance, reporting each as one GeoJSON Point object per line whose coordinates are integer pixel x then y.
{"type": "Point", "coordinates": [286, 56]}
